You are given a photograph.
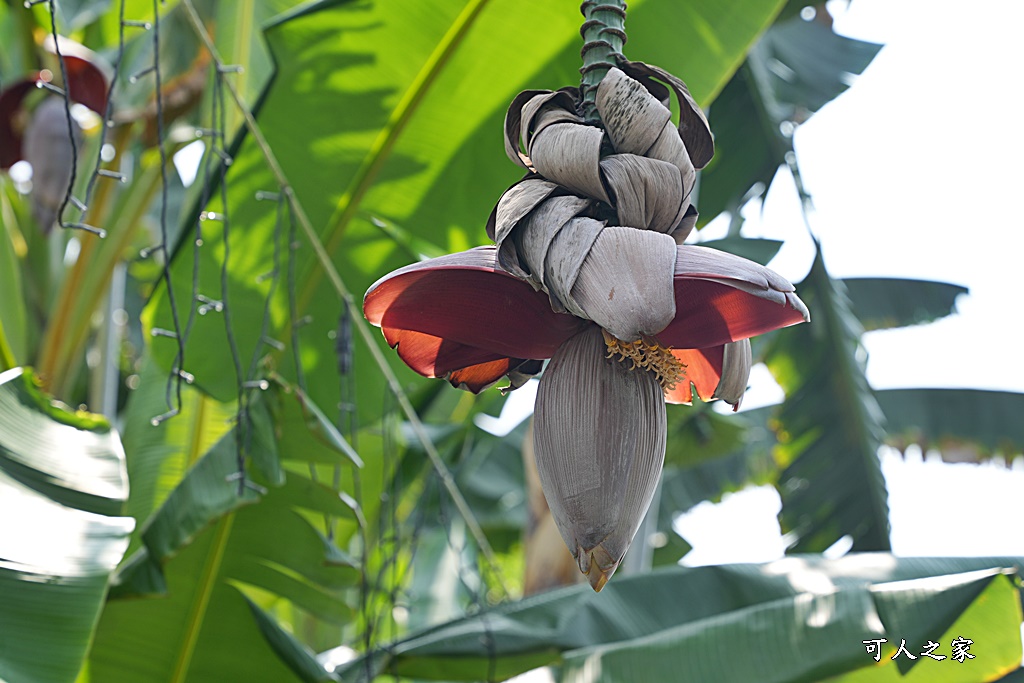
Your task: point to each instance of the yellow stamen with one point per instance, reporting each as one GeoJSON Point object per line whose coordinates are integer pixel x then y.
{"type": "Point", "coordinates": [648, 354]}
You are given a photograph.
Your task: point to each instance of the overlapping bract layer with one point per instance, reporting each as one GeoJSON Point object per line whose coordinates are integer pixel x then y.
{"type": "Point", "coordinates": [462, 318]}
{"type": "Point", "coordinates": [552, 228]}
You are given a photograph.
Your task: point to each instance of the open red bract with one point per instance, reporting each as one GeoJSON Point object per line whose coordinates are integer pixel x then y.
{"type": "Point", "coordinates": [461, 317]}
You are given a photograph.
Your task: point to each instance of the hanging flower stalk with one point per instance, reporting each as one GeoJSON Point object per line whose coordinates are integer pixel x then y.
{"type": "Point", "coordinates": [590, 270]}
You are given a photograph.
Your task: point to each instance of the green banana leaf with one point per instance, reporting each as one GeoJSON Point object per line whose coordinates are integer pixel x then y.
{"type": "Point", "coordinates": [159, 455]}
{"type": "Point", "coordinates": [963, 424]}
{"type": "Point", "coordinates": [759, 250]}
{"type": "Point", "coordinates": [13, 313]}
{"type": "Point", "coordinates": [76, 14]}
{"type": "Point", "coordinates": [882, 303]}
{"type": "Point", "coordinates": [798, 619]}
{"type": "Point", "coordinates": [830, 426]}
{"type": "Point", "coordinates": [62, 487]}
{"type": "Point", "coordinates": [206, 553]}
{"type": "Point", "coordinates": [203, 553]}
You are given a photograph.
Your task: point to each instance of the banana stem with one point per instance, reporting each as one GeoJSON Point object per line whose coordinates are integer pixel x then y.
{"type": "Point", "coordinates": [604, 35]}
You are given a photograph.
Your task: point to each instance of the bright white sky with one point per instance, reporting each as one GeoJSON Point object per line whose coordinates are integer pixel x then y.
{"type": "Point", "coordinates": [916, 171]}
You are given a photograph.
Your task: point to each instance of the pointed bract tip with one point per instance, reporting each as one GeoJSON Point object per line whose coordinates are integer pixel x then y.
{"type": "Point", "coordinates": [597, 565]}
{"type": "Point", "coordinates": [799, 305]}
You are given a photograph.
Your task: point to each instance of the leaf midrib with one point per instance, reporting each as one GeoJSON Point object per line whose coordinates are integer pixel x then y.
{"type": "Point", "coordinates": [206, 585]}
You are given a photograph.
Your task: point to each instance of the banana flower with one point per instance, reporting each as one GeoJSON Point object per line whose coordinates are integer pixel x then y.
{"type": "Point", "coordinates": [39, 133]}
{"type": "Point", "coordinates": [629, 316]}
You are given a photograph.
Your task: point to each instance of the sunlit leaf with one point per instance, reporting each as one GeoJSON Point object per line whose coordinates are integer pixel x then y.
{"type": "Point", "coordinates": [160, 455]}
{"type": "Point", "coordinates": [62, 483]}
{"type": "Point", "coordinates": [13, 311]}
